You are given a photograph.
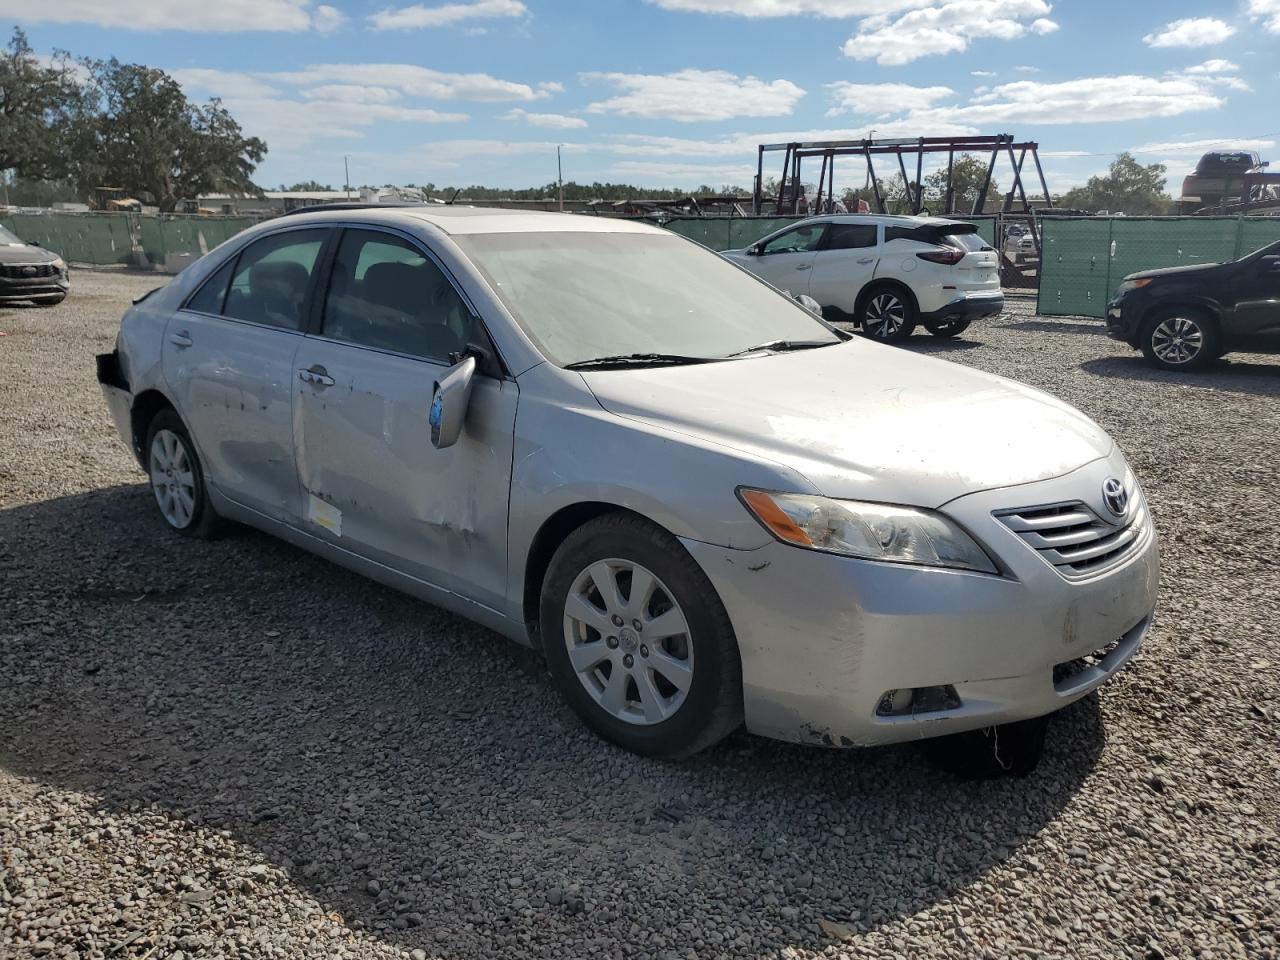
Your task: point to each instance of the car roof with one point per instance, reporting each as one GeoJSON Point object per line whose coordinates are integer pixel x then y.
{"type": "Point", "coordinates": [461, 220]}
{"type": "Point", "coordinates": [886, 218]}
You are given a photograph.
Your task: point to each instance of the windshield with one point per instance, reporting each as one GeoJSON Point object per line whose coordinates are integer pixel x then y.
{"type": "Point", "coordinates": [7, 237]}
{"type": "Point", "coordinates": [582, 296]}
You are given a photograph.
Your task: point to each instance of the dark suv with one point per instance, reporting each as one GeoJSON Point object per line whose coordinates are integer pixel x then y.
{"type": "Point", "coordinates": [1183, 317]}
{"type": "Point", "coordinates": [31, 273]}
{"type": "Point", "coordinates": [1219, 176]}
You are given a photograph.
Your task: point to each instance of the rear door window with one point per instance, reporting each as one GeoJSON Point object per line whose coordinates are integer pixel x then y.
{"type": "Point", "coordinates": [272, 277]}
{"type": "Point", "coordinates": [851, 236]}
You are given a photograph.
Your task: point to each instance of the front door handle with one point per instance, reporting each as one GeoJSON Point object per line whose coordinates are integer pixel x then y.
{"type": "Point", "coordinates": [867, 260]}
{"type": "Point", "coordinates": [316, 375]}
{"type": "Point", "coordinates": [181, 339]}
{"type": "Point", "coordinates": [805, 266]}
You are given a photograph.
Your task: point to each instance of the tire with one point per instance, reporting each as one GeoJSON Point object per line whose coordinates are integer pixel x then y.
{"type": "Point", "coordinates": [947, 328]}
{"type": "Point", "coordinates": [1181, 339]}
{"type": "Point", "coordinates": [177, 479]}
{"type": "Point", "coordinates": [887, 314]}
{"type": "Point", "coordinates": [624, 685]}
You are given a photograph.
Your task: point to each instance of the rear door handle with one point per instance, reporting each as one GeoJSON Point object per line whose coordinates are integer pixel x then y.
{"type": "Point", "coordinates": [316, 375]}
{"type": "Point", "coordinates": [181, 339]}
{"type": "Point", "coordinates": [805, 266]}
{"type": "Point", "coordinates": [867, 260]}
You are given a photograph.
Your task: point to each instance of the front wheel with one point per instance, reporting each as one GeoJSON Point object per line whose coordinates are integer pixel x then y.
{"type": "Point", "coordinates": [1183, 339]}
{"type": "Point", "coordinates": [637, 640]}
{"type": "Point", "coordinates": [887, 315]}
{"type": "Point", "coordinates": [947, 328]}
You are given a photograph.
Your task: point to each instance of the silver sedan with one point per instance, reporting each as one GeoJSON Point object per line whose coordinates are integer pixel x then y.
{"type": "Point", "coordinates": [704, 505]}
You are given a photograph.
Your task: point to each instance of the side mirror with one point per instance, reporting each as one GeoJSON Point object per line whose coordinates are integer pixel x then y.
{"type": "Point", "coordinates": [1270, 264]}
{"type": "Point", "coordinates": [449, 403]}
{"type": "Point", "coordinates": [753, 250]}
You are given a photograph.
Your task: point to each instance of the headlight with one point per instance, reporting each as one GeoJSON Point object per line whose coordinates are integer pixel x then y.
{"type": "Point", "coordinates": [1135, 284]}
{"type": "Point", "coordinates": [871, 531]}
{"type": "Point", "coordinates": [60, 265]}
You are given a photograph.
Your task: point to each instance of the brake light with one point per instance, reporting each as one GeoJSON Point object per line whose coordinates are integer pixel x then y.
{"type": "Point", "coordinates": [948, 255]}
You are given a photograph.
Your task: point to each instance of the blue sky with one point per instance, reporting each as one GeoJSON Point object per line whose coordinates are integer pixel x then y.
{"type": "Point", "coordinates": [678, 92]}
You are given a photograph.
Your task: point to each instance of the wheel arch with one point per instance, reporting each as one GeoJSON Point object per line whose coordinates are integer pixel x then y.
{"type": "Point", "coordinates": [1209, 308]}
{"type": "Point", "coordinates": [144, 409]}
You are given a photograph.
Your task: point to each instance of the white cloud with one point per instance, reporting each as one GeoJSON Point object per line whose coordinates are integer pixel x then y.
{"type": "Point", "coordinates": [882, 99]}
{"type": "Point", "coordinates": [689, 96]}
{"type": "Point", "coordinates": [1026, 69]}
{"type": "Point", "coordinates": [419, 15]}
{"type": "Point", "coordinates": [1191, 32]}
{"type": "Point", "coordinates": [289, 125]}
{"type": "Point", "coordinates": [1268, 11]}
{"type": "Point", "coordinates": [982, 73]}
{"type": "Point", "coordinates": [1087, 100]}
{"type": "Point", "coordinates": [221, 83]}
{"type": "Point", "coordinates": [1043, 26]}
{"type": "Point", "coordinates": [410, 80]}
{"type": "Point", "coordinates": [553, 121]}
{"type": "Point", "coordinates": [1197, 147]}
{"type": "Point", "coordinates": [685, 174]}
{"type": "Point", "coordinates": [1213, 66]}
{"type": "Point", "coordinates": [944, 28]}
{"type": "Point", "coordinates": [1062, 154]}
{"type": "Point", "coordinates": [225, 16]}
{"type": "Point", "coordinates": [834, 9]}
{"type": "Point", "coordinates": [352, 93]}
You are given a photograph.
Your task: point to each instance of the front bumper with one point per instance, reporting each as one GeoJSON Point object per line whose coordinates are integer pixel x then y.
{"type": "Point", "coordinates": [116, 393]}
{"type": "Point", "coordinates": [35, 288]}
{"type": "Point", "coordinates": [824, 638]}
{"type": "Point", "coordinates": [1123, 320]}
{"type": "Point", "coordinates": [966, 308]}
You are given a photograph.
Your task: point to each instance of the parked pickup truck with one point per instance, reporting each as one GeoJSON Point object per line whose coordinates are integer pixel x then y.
{"type": "Point", "coordinates": [1219, 176]}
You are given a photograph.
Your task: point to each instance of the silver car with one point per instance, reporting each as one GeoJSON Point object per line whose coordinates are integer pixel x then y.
{"type": "Point", "coordinates": [704, 505]}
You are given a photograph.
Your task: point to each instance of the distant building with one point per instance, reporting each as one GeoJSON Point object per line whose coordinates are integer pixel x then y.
{"type": "Point", "coordinates": [272, 201]}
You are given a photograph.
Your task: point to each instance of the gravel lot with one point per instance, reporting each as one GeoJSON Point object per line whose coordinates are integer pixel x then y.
{"type": "Point", "coordinates": [233, 749]}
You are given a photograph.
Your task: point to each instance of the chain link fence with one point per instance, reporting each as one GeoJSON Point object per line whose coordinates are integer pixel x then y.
{"type": "Point", "coordinates": [1084, 259]}
{"type": "Point", "coordinates": [102, 239]}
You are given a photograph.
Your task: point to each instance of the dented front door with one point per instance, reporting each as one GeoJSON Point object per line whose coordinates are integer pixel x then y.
{"type": "Point", "coordinates": [371, 481]}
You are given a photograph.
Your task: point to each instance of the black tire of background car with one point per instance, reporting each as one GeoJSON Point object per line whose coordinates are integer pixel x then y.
{"type": "Point", "coordinates": [908, 311]}
{"type": "Point", "coordinates": [713, 706]}
{"type": "Point", "coordinates": [205, 523]}
{"type": "Point", "coordinates": [947, 328]}
{"type": "Point", "coordinates": [1210, 347]}
{"type": "Point", "coordinates": [1006, 750]}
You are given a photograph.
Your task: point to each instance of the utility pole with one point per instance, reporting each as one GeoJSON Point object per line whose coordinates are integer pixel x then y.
{"type": "Point", "coordinates": [346, 170]}
{"type": "Point", "coordinates": [560, 175]}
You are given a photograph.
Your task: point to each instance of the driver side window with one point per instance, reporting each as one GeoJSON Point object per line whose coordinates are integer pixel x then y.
{"type": "Point", "coordinates": [803, 239]}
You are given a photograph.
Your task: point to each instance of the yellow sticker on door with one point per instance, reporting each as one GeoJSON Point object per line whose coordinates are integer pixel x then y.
{"type": "Point", "coordinates": [324, 514]}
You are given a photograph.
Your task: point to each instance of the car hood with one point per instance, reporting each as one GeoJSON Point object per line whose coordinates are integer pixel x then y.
{"type": "Point", "coordinates": [865, 421]}
{"type": "Point", "coordinates": [1171, 271]}
{"type": "Point", "coordinates": [24, 253]}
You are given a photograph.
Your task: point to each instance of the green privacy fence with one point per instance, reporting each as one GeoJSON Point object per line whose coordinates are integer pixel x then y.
{"type": "Point", "coordinates": [733, 233]}
{"type": "Point", "coordinates": [113, 238]}
{"type": "Point", "coordinates": [1085, 258]}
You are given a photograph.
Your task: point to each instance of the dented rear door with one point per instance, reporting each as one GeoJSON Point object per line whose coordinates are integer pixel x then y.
{"type": "Point", "coordinates": [372, 483]}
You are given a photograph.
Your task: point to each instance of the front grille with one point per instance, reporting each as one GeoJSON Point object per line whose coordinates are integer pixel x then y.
{"type": "Point", "coordinates": [1076, 541]}
{"type": "Point", "coordinates": [19, 271]}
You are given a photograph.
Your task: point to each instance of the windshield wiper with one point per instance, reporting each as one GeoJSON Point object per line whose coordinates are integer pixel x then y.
{"type": "Point", "coordinates": [637, 360]}
{"type": "Point", "coordinates": [779, 346]}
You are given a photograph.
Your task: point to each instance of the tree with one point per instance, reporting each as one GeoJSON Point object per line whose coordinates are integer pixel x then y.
{"type": "Point", "coordinates": [145, 136]}
{"type": "Point", "coordinates": [967, 174]}
{"type": "Point", "coordinates": [1128, 187]}
{"type": "Point", "coordinates": [38, 103]}
{"type": "Point", "coordinates": [308, 186]}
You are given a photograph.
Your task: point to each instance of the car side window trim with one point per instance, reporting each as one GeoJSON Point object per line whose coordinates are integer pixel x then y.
{"type": "Point", "coordinates": [314, 327]}
{"type": "Point", "coordinates": [234, 260]}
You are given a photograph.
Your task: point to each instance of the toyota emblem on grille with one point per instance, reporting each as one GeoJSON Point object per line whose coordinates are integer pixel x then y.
{"type": "Point", "coordinates": [1115, 496]}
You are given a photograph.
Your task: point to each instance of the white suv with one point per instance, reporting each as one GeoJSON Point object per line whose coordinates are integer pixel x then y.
{"type": "Point", "coordinates": [885, 274]}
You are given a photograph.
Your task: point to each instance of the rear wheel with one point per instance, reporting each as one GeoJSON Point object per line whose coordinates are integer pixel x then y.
{"type": "Point", "coordinates": [887, 315]}
{"type": "Point", "coordinates": [947, 328]}
{"type": "Point", "coordinates": [177, 480]}
{"type": "Point", "coordinates": [638, 641]}
{"type": "Point", "coordinates": [1181, 339]}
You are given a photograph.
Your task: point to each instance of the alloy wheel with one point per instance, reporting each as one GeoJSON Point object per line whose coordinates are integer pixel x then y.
{"type": "Point", "coordinates": [172, 480]}
{"type": "Point", "coordinates": [886, 314]}
{"type": "Point", "coordinates": [628, 642]}
{"type": "Point", "coordinates": [1177, 340]}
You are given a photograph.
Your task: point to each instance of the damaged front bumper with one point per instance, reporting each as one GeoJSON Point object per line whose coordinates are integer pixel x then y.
{"type": "Point", "coordinates": [829, 644]}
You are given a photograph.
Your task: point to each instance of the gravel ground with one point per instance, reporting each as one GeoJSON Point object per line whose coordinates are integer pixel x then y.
{"type": "Point", "coordinates": [233, 749]}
